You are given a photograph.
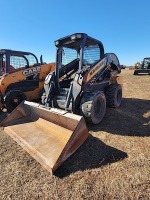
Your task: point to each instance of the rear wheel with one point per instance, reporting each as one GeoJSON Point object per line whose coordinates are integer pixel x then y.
{"type": "Point", "coordinates": [13, 98]}
{"type": "Point", "coordinates": [113, 95]}
{"type": "Point", "coordinates": [93, 107]}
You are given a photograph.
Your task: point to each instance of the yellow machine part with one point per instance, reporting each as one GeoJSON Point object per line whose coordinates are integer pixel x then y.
{"type": "Point", "coordinates": [18, 76]}
{"type": "Point", "coordinates": [48, 135]}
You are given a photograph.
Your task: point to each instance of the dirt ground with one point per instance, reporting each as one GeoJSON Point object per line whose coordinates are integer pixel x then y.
{"type": "Point", "coordinates": [114, 162]}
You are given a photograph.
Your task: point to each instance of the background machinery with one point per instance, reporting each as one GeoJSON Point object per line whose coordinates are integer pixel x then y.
{"type": "Point", "coordinates": [144, 68]}
{"type": "Point", "coordinates": [84, 82]}
{"type": "Point", "coordinates": [21, 77]}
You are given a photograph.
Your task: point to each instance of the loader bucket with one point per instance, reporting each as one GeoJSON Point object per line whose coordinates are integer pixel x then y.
{"type": "Point", "coordinates": [48, 135]}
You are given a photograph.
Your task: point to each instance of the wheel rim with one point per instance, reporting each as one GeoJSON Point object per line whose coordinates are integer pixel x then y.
{"type": "Point", "coordinates": [15, 101]}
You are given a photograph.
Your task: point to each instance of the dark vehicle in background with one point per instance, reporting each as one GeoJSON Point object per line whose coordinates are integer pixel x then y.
{"type": "Point", "coordinates": [144, 68]}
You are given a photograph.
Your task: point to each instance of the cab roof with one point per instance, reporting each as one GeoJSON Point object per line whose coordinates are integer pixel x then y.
{"type": "Point", "coordinates": [76, 40]}
{"type": "Point", "coordinates": [13, 52]}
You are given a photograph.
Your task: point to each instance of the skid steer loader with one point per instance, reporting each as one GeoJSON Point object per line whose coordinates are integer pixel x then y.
{"type": "Point", "coordinates": [85, 80]}
{"type": "Point", "coordinates": [21, 77]}
{"type": "Point", "coordinates": [144, 68]}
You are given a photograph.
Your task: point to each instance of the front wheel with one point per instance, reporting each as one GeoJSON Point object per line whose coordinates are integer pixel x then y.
{"type": "Point", "coordinates": [13, 98]}
{"type": "Point", "coordinates": [93, 107]}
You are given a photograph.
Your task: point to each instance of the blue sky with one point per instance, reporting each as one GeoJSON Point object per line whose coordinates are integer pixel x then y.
{"type": "Point", "coordinates": [33, 25]}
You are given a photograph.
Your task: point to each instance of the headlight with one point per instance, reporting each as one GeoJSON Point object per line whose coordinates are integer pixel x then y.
{"type": "Point", "coordinates": [57, 42]}
{"type": "Point", "coordinates": [73, 37]}
{"type": "Point", "coordinates": [78, 35]}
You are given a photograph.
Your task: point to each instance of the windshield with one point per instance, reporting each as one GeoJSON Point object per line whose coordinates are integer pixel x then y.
{"type": "Point", "coordinates": [17, 62]}
{"type": "Point", "coordinates": [31, 59]}
{"type": "Point", "coordinates": [91, 54]}
{"type": "Point", "coordinates": [146, 63]}
{"type": "Point", "coordinates": [68, 55]}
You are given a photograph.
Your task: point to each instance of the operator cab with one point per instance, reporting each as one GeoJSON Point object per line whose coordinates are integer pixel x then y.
{"type": "Point", "coordinates": [11, 60]}
{"type": "Point", "coordinates": [80, 53]}
{"type": "Point", "coordinates": [76, 52]}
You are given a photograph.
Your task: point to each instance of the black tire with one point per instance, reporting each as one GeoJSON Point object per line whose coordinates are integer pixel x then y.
{"type": "Point", "coordinates": [93, 107]}
{"type": "Point", "coordinates": [113, 94]}
{"type": "Point", "coordinates": [13, 98]}
{"type": "Point", "coordinates": [135, 73]}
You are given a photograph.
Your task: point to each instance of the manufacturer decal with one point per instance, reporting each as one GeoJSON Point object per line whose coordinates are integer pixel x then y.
{"type": "Point", "coordinates": [31, 71]}
{"type": "Point", "coordinates": [96, 69]}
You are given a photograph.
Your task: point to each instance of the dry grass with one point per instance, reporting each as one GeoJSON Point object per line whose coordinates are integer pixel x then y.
{"type": "Point", "coordinates": [114, 163]}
